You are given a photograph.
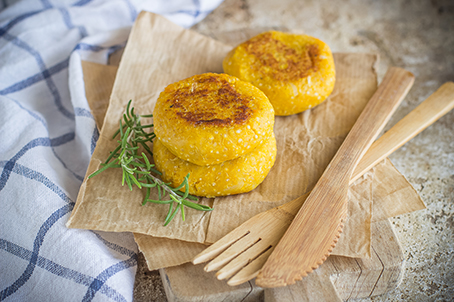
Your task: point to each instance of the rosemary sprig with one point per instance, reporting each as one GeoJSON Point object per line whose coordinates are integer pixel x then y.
{"type": "Point", "coordinates": [138, 171]}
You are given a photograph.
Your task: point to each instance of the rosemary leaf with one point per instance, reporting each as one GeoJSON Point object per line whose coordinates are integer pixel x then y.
{"type": "Point", "coordinates": [128, 182]}
{"type": "Point", "coordinates": [143, 127]}
{"type": "Point", "coordinates": [175, 199]}
{"type": "Point", "coordinates": [133, 178]}
{"type": "Point", "coordinates": [155, 171]}
{"type": "Point", "coordinates": [179, 187]}
{"type": "Point", "coordinates": [196, 206]}
{"type": "Point", "coordinates": [147, 162]}
{"type": "Point", "coordinates": [116, 133]}
{"type": "Point", "coordinates": [169, 213]}
{"type": "Point", "coordinates": [147, 185]}
{"type": "Point", "coordinates": [159, 193]}
{"type": "Point", "coordinates": [171, 217]}
{"type": "Point", "coordinates": [125, 137]}
{"type": "Point", "coordinates": [120, 130]}
{"type": "Point", "coordinates": [188, 197]}
{"type": "Point", "coordinates": [126, 120]}
{"type": "Point", "coordinates": [109, 165]}
{"type": "Point", "coordinates": [160, 201]}
{"type": "Point", "coordinates": [127, 108]}
{"type": "Point", "coordinates": [186, 184]}
{"type": "Point", "coordinates": [142, 172]}
{"type": "Point", "coordinates": [132, 148]}
{"type": "Point", "coordinates": [113, 153]}
{"type": "Point", "coordinates": [182, 212]}
{"type": "Point", "coordinates": [147, 148]}
{"type": "Point", "coordinates": [138, 164]}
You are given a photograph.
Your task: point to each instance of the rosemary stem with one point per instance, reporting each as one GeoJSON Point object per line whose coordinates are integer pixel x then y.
{"type": "Point", "coordinates": [164, 186]}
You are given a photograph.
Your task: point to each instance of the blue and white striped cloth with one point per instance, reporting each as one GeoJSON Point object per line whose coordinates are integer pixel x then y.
{"type": "Point", "coordinates": [47, 135]}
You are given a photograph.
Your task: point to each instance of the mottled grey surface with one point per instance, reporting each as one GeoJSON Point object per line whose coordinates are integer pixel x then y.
{"type": "Point", "coordinates": [416, 35]}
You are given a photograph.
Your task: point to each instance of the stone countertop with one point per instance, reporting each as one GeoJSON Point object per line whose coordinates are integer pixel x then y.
{"type": "Point", "coordinates": [416, 35]}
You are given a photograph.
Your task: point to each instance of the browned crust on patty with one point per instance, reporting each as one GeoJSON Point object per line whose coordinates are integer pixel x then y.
{"type": "Point", "coordinates": [287, 64]}
{"type": "Point", "coordinates": [220, 104]}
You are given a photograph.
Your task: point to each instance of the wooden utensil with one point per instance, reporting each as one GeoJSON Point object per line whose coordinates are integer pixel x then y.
{"type": "Point", "coordinates": [268, 227]}
{"type": "Point", "coordinates": [316, 228]}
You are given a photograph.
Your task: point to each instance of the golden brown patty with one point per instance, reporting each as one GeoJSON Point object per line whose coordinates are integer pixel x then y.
{"type": "Point", "coordinates": [296, 72]}
{"type": "Point", "coordinates": [210, 118]}
{"type": "Point", "coordinates": [235, 176]}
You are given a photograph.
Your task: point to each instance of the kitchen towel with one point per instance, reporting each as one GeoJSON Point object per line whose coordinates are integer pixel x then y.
{"type": "Point", "coordinates": [47, 135]}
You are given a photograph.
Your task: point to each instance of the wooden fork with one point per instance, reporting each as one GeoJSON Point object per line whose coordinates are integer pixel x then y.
{"type": "Point", "coordinates": [234, 255]}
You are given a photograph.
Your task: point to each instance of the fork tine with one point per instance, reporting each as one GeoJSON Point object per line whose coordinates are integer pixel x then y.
{"type": "Point", "coordinates": [251, 270]}
{"type": "Point", "coordinates": [251, 225]}
{"type": "Point", "coordinates": [233, 251]}
{"type": "Point", "coordinates": [244, 258]}
{"type": "Point", "coordinates": [220, 246]}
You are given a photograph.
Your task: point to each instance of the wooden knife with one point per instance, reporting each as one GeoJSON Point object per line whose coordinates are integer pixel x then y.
{"type": "Point", "coordinates": [316, 228]}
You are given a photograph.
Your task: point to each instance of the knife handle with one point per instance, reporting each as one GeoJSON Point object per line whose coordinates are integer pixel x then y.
{"type": "Point", "coordinates": [436, 105]}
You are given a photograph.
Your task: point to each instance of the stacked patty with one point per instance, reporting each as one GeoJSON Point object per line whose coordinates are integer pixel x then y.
{"type": "Point", "coordinates": [218, 129]}
{"type": "Point", "coordinates": [296, 72]}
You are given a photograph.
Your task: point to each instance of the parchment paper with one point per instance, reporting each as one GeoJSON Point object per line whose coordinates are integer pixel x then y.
{"type": "Point", "coordinates": [308, 140]}
{"type": "Point", "coordinates": [158, 53]}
